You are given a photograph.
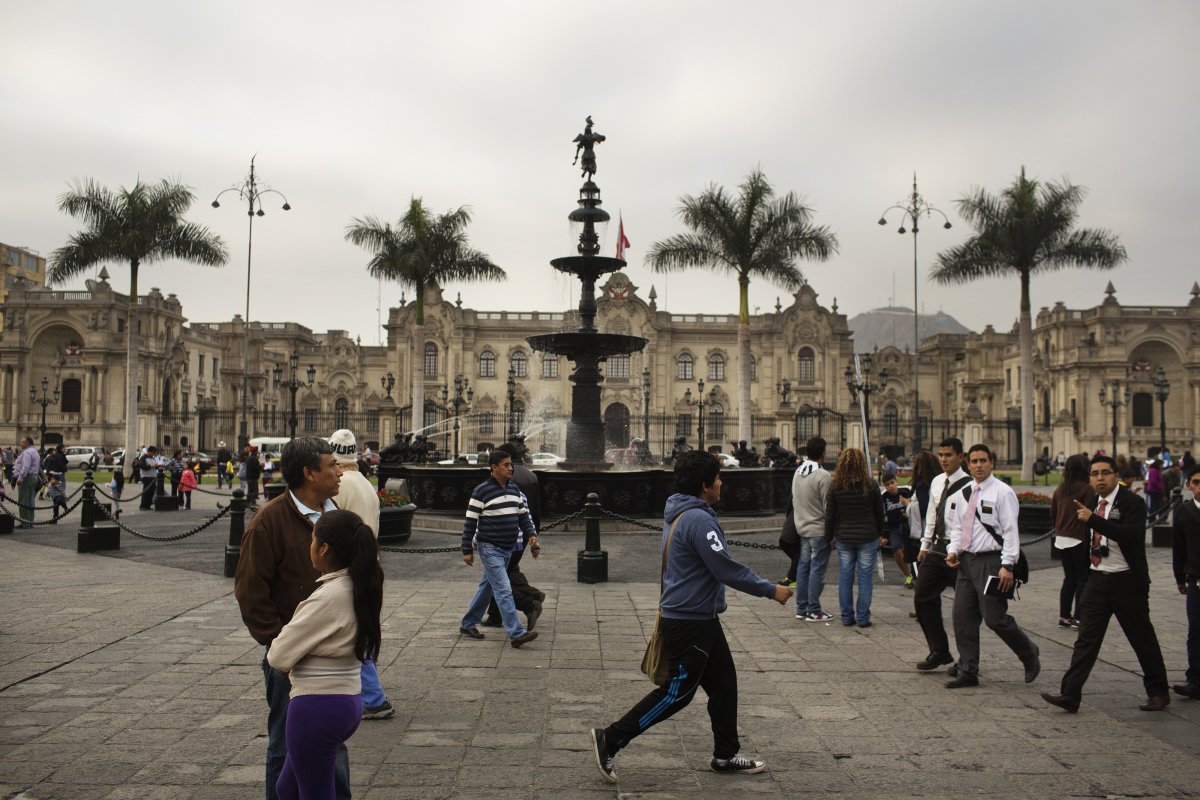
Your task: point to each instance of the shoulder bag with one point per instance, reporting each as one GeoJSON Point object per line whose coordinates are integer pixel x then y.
{"type": "Point", "coordinates": [1021, 568]}
{"type": "Point", "coordinates": [655, 662]}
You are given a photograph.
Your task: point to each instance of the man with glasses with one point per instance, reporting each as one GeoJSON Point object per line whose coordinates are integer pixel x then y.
{"type": "Point", "coordinates": [1186, 563]}
{"type": "Point", "coordinates": [1118, 585]}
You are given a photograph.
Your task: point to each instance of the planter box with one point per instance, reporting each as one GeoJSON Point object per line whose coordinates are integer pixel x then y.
{"type": "Point", "coordinates": [395, 524]}
{"type": "Point", "coordinates": [1034, 520]}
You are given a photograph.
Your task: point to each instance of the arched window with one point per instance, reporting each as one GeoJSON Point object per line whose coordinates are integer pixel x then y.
{"type": "Point", "coordinates": [891, 420]}
{"type": "Point", "coordinates": [804, 427]}
{"type": "Point", "coordinates": [716, 421]}
{"type": "Point", "coordinates": [617, 366]}
{"type": "Point", "coordinates": [683, 367]}
{"type": "Point", "coordinates": [431, 358]}
{"type": "Point", "coordinates": [72, 394]}
{"type": "Point", "coordinates": [549, 365]}
{"type": "Point", "coordinates": [341, 414]}
{"type": "Point", "coordinates": [716, 367]}
{"type": "Point", "coordinates": [1143, 410]}
{"type": "Point", "coordinates": [806, 366]}
{"type": "Point", "coordinates": [519, 365]}
{"type": "Point", "coordinates": [487, 364]}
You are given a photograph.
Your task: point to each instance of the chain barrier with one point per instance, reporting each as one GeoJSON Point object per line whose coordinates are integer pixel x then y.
{"type": "Point", "coordinates": [52, 521]}
{"type": "Point", "coordinates": [102, 511]}
{"type": "Point", "coordinates": [635, 522]}
{"type": "Point", "coordinates": [6, 499]}
{"type": "Point", "coordinates": [560, 521]}
{"type": "Point", "coordinates": [386, 549]}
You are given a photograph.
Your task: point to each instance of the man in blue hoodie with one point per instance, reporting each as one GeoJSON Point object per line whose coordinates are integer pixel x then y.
{"type": "Point", "coordinates": [698, 568]}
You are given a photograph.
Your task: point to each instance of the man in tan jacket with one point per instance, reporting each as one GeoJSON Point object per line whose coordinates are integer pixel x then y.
{"type": "Point", "coordinates": [358, 495]}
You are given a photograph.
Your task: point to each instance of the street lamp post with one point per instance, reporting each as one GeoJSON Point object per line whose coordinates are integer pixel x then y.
{"type": "Point", "coordinates": [783, 388]}
{"type": "Point", "coordinates": [1162, 390]}
{"type": "Point", "coordinates": [646, 406]}
{"type": "Point", "coordinates": [510, 422]}
{"type": "Point", "coordinates": [911, 210]}
{"type": "Point", "coordinates": [43, 401]}
{"type": "Point", "coordinates": [699, 403]}
{"type": "Point", "coordinates": [293, 384]}
{"type": "Point", "coordinates": [388, 382]}
{"type": "Point", "coordinates": [461, 384]}
{"type": "Point", "coordinates": [865, 386]}
{"type": "Point", "coordinates": [250, 193]}
{"type": "Point", "coordinates": [446, 419]}
{"type": "Point", "coordinates": [1115, 403]}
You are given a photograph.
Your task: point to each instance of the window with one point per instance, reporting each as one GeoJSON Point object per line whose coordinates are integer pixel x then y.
{"type": "Point", "coordinates": [487, 364]}
{"type": "Point", "coordinates": [549, 366]}
{"type": "Point", "coordinates": [1143, 410]}
{"type": "Point", "coordinates": [716, 367]}
{"type": "Point", "coordinates": [72, 393]}
{"type": "Point", "coordinates": [1008, 380]}
{"type": "Point", "coordinates": [310, 419]}
{"type": "Point", "coordinates": [200, 365]}
{"type": "Point", "coordinates": [753, 368]}
{"type": "Point", "coordinates": [430, 418]}
{"type": "Point", "coordinates": [891, 421]}
{"type": "Point", "coordinates": [486, 422]}
{"type": "Point", "coordinates": [806, 366]}
{"type": "Point", "coordinates": [716, 421]}
{"type": "Point", "coordinates": [683, 425]}
{"type": "Point", "coordinates": [183, 403]}
{"type": "Point", "coordinates": [214, 368]}
{"type": "Point", "coordinates": [372, 422]}
{"type": "Point", "coordinates": [804, 427]}
{"type": "Point", "coordinates": [683, 367]}
{"type": "Point", "coordinates": [518, 416]}
{"type": "Point", "coordinates": [341, 414]}
{"type": "Point", "coordinates": [618, 366]}
{"type": "Point", "coordinates": [431, 358]}
{"type": "Point", "coordinates": [519, 365]}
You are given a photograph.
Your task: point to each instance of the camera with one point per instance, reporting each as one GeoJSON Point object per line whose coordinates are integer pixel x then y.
{"type": "Point", "coordinates": [1100, 550]}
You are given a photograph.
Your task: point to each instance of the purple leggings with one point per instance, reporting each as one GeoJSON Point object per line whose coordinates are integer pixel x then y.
{"type": "Point", "coordinates": [316, 725]}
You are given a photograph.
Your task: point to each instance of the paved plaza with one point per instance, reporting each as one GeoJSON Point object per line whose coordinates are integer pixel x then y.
{"type": "Point", "coordinates": [132, 677]}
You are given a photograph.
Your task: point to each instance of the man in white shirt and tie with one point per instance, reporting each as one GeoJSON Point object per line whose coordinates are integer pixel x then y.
{"type": "Point", "coordinates": [1118, 585]}
{"type": "Point", "coordinates": [984, 542]}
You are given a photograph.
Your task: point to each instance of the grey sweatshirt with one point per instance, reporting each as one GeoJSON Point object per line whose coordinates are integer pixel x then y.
{"type": "Point", "coordinates": [810, 490]}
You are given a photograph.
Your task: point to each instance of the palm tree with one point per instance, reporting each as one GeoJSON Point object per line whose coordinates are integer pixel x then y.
{"type": "Point", "coordinates": [142, 225]}
{"type": "Point", "coordinates": [755, 234]}
{"type": "Point", "coordinates": [419, 251]}
{"type": "Point", "coordinates": [1028, 229]}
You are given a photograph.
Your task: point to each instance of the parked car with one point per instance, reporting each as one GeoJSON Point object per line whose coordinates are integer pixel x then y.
{"type": "Point", "coordinates": [206, 461]}
{"type": "Point", "coordinates": [469, 458]}
{"type": "Point", "coordinates": [86, 457]}
{"type": "Point", "coordinates": [545, 459]}
{"type": "Point", "coordinates": [728, 461]}
{"type": "Point", "coordinates": [117, 457]}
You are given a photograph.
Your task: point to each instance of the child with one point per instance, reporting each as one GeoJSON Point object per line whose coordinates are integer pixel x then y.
{"type": "Point", "coordinates": [115, 487]}
{"type": "Point", "coordinates": [187, 482]}
{"type": "Point", "coordinates": [895, 529]}
{"type": "Point", "coordinates": [58, 496]}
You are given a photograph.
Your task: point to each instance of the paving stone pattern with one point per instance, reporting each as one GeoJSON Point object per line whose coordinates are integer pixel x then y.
{"type": "Point", "coordinates": [130, 679]}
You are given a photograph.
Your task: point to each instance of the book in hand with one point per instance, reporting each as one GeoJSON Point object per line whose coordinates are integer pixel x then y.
{"type": "Point", "coordinates": [992, 587]}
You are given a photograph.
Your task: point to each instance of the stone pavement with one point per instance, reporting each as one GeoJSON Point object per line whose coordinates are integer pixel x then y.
{"type": "Point", "coordinates": [128, 679]}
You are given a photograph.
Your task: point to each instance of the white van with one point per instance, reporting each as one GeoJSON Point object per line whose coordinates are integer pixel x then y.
{"type": "Point", "coordinates": [272, 445]}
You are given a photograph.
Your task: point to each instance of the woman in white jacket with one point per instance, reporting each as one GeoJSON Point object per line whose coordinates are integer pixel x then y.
{"type": "Point", "coordinates": [323, 647]}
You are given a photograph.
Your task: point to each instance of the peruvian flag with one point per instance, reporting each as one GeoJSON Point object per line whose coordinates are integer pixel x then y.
{"type": "Point", "coordinates": [622, 240]}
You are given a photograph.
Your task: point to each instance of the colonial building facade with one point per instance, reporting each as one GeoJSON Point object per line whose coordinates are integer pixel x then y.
{"type": "Point", "coordinates": [482, 381]}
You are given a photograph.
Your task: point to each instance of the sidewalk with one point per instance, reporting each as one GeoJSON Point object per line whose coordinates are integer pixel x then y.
{"type": "Point", "coordinates": [121, 679]}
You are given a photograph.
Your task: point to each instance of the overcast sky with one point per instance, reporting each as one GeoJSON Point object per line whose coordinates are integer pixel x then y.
{"type": "Point", "coordinates": [356, 106]}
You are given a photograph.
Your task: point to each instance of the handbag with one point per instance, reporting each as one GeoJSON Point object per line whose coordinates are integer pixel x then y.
{"type": "Point", "coordinates": [655, 663]}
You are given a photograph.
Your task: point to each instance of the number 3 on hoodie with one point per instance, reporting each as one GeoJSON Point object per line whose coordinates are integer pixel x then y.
{"type": "Point", "coordinates": [716, 542]}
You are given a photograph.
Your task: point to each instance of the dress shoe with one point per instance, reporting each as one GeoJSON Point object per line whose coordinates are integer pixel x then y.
{"type": "Point", "coordinates": [953, 671]}
{"type": "Point", "coordinates": [532, 617]}
{"type": "Point", "coordinates": [1158, 702]}
{"type": "Point", "coordinates": [524, 638]}
{"type": "Point", "coordinates": [1033, 666]}
{"type": "Point", "coordinates": [474, 633]}
{"type": "Point", "coordinates": [1065, 702]}
{"type": "Point", "coordinates": [934, 660]}
{"type": "Point", "coordinates": [963, 680]}
{"type": "Point", "coordinates": [1191, 690]}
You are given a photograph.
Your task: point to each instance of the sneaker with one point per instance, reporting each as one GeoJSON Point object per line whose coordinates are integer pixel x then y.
{"type": "Point", "coordinates": [737, 764]}
{"type": "Point", "coordinates": [604, 761]}
{"type": "Point", "coordinates": [382, 711]}
{"type": "Point", "coordinates": [908, 581]}
{"type": "Point", "coordinates": [819, 616]}
{"type": "Point", "coordinates": [1074, 623]}
{"type": "Point", "coordinates": [1064, 622]}
{"type": "Point", "coordinates": [787, 583]}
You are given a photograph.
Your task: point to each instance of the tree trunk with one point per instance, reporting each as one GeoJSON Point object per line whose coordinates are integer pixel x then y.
{"type": "Point", "coordinates": [1025, 336]}
{"type": "Point", "coordinates": [745, 410]}
{"type": "Point", "coordinates": [131, 376]}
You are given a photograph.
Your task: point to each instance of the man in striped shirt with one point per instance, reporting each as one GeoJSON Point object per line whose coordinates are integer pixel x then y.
{"type": "Point", "coordinates": [497, 519]}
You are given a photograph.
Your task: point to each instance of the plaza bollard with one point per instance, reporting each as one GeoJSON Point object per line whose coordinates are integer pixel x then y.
{"type": "Point", "coordinates": [593, 562]}
{"type": "Point", "coordinates": [6, 522]}
{"type": "Point", "coordinates": [237, 526]}
{"type": "Point", "coordinates": [94, 534]}
{"type": "Point", "coordinates": [162, 500]}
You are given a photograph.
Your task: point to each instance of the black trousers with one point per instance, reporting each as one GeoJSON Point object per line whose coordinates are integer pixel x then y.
{"type": "Point", "coordinates": [699, 657]}
{"type": "Point", "coordinates": [1076, 563]}
{"type": "Point", "coordinates": [148, 489]}
{"type": "Point", "coordinates": [933, 578]}
{"type": "Point", "coordinates": [792, 551]}
{"type": "Point", "coordinates": [1126, 596]}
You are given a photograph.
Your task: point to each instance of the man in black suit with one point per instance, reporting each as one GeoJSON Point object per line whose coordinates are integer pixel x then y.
{"type": "Point", "coordinates": [1118, 585]}
{"type": "Point", "coordinates": [1186, 563]}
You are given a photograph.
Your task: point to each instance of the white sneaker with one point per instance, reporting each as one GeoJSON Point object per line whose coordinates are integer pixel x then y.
{"type": "Point", "coordinates": [737, 764]}
{"type": "Point", "coordinates": [820, 616]}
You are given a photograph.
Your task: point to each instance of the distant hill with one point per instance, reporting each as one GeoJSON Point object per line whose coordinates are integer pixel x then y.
{"type": "Point", "coordinates": [893, 325]}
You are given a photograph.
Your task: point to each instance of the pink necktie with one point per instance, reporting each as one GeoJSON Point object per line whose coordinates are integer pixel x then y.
{"type": "Point", "coordinates": [1096, 534]}
{"type": "Point", "coordinates": [964, 541]}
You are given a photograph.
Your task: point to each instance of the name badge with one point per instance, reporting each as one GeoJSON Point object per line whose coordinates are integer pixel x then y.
{"type": "Point", "coordinates": [1114, 514]}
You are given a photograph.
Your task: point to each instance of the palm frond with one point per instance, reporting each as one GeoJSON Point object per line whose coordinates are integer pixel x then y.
{"type": "Point", "coordinates": [687, 251]}
{"type": "Point", "coordinates": [82, 251]}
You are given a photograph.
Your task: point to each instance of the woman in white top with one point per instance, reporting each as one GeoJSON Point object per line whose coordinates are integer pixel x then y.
{"type": "Point", "coordinates": [322, 649]}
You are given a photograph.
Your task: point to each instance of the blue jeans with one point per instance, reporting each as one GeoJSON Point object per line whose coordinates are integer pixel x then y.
{"type": "Point", "coordinates": [278, 690]}
{"type": "Point", "coordinates": [372, 690]}
{"type": "Point", "coordinates": [494, 583]}
{"type": "Point", "coordinates": [856, 557]}
{"type": "Point", "coordinates": [810, 574]}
